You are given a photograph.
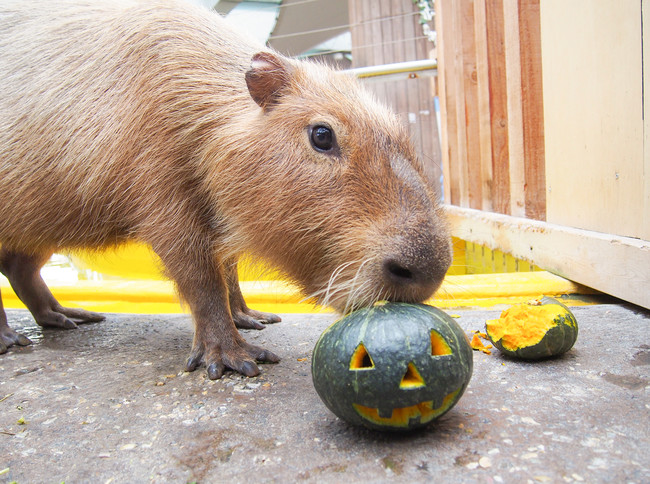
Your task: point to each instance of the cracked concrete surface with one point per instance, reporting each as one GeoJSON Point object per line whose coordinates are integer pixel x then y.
{"type": "Point", "coordinates": [109, 402]}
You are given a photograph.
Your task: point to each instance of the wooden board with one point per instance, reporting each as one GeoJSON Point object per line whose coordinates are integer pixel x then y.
{"type": "Point", "coordinates": [470, 169]}
{"type": "Point", "coordinates": [516, 163]}
{"type": "Point", "coordinates": [457, 96]}
{"type": "Point", "coordinates": [448, 100]}
{"type": "Point", "coordinates": [498, 105]}
{"type": "Point", "coordinates": [616, 265]}
{"type": "Point", "coordinates": [593, 115]}
{"type": "Point", "coordinates": [386, 32]}
{"type": "Point", "coordinates": [645, 212]}
{"type": "Point", "coordinates": [484, 160]}
{"type": "Point", "coordinates": [532, 105]}
{"type": "Point", "coordinates": [446, 124]}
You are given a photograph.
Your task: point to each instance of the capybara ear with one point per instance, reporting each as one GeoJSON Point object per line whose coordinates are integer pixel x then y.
{"type": "Point", "coordinates": [268, 76]}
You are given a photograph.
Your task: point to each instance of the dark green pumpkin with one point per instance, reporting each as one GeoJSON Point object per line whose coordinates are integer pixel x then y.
{"type": "Point", "coordinates": [558, 338]}
{"type": "Point", "coordinates": [393, 366]}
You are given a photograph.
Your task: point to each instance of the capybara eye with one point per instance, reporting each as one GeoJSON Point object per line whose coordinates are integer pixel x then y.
{"type": "Point", "coordinates": [322, 138]}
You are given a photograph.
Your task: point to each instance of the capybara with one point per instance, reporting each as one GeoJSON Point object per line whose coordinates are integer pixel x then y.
{"type": "Point", "coordinates": [153, 120]}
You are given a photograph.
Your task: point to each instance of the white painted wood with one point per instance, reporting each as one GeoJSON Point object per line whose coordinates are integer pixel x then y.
{"type": "Point", "coordinates": [592, 59]}
{"type": "Point", "coordinates": [615, 265]}
{"type": "Point", "coordinates": [645, 212]}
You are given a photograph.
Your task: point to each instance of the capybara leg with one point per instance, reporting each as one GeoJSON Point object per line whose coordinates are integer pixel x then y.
{"type": "Point", "coordinates": [217, 343]}
{"type": "Point", "coordinates": [242, 315]}
{"type": "Point", "coordinates": [23, 272]}
{"type": "Point", "coordinates": [9, 337]}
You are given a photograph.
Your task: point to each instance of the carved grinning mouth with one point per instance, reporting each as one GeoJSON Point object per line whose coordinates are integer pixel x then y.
{"type": "Point", "coordinates": [401, 417]}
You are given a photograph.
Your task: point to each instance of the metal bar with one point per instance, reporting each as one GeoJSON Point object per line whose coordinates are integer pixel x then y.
{"type": "Point", "coordinates": [410, 70]}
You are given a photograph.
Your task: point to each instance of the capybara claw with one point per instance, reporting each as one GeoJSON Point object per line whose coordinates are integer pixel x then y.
{"type": "Point", "coordinates": [80, 316]}
{"type": "Point", "coordinates": [53, 319]}
{"type": "Point", "coordinates": [249, 368]}
{"type": "Point", "coordinates": [193, 362]}
{"type": "Point", "coordinates": [215, 371]}
{"type": "Point", "coordinates": [243, 321]}
{"type": "Point", "coordinates": [242, 360]}
{"type": "Point", "coordinates": [251, 319]}
{"type": "Point", "coordinates": [9, 337]}
{"type": "Point", "coordinates": [268, 357]}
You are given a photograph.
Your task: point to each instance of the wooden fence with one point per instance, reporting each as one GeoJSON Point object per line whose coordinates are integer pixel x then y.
{"type": "Point", "coordinates": [389, 31]}
{"type": "Point", "coordinates": [493, 144]}
{"type": "Point", "coordinates": [546, 134]}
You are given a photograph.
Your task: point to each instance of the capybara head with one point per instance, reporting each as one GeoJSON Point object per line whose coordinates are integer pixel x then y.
{"type": "Point", "coordinates": [329, 189]}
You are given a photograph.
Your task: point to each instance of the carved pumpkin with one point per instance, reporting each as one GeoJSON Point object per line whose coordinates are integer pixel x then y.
{"type": "Point", "coordinates": [534, 331]}
{"type": "Point", "coordinates": [393, 366]}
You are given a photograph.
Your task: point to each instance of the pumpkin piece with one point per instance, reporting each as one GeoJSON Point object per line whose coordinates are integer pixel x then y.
{"type": "Point", "coordinates": [393, 366]}
{"type": "Point", "coordinates": [478, 345]}
{"type": "Point", "coordinates": [534, 330]}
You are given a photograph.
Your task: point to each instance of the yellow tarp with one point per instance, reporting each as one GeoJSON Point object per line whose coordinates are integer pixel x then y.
{"type": "Point", "coordinates": [158, 296]}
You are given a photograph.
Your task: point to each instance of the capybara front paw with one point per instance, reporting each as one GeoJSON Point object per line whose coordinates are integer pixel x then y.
{"type": "Point", "coordinates": [242, 360]}
{"type": "Point", "coordinates": [251, 319]}
{"type": "Point", "coordinates": [9, 337]}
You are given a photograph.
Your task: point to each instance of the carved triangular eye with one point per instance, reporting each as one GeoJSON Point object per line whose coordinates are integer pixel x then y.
{"type": "Point", "coordinates": [411, 378]}
{"type": "Point", "coordinates": [439, 346]}
{"type": "Point", "coordinates": [361, 359]}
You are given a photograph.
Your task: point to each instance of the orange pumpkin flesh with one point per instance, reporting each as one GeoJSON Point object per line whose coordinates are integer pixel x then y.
{"type": "Point", "coordinates": [534, 331]}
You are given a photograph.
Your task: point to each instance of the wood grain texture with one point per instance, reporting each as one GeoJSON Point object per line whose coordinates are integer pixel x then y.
{"type": "Point", "coordinates": [447, 125]}
{"type": "Point", "coordinates": [484, 161]}
{"type": "Point", "coordinates": [459, 164]}
{"type": "Point", "coordinates": [494, 124]}
{"type": "Point", "coordinates": [516, 171]}
{"type": "Point", "coordinates": [385, 32]}
{"type": "Point", "coordinates": [471, 170]}
{"type": "Point", "coordinates": [532, 105]}
{"type": "Point", "coordinates": [498, 105]}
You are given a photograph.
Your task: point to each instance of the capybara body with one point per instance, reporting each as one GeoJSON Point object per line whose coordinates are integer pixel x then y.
{"type": "Point", "coordinates": [153, 120]}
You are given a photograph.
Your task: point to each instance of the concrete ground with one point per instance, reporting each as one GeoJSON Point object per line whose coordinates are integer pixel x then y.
{"type": "Point", "coordinates": [109, 402]}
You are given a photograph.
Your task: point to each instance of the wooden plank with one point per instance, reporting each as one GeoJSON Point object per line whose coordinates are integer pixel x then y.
{"type": "Point", "coordinates": [354, 30]}
{"type": "Point", "coordinates": [514, 110]}
{"type": "Point", "coordinates": [389, 49]}
{"type": "Point", "coordinates": [448, 102]}
{"type": "Point", "coordinates": [376, 41]}
{"type": "Point", "coordinates": [411, 30]}
{"type": "Point", "coordinates": [645, 229]}
{"type": "Point", "coordinates": [430, 138]}
{"type": "Point", "coordinates": [409, 49]}
{"type": "Point", "coordinates": [399, 89]}
{"type": "Point", "coordinates": [459, 165]}
{"type": "Point", "coordinates": [593, 115]}
{"type": "Point", "coordinates": [357, 33]}
{"type": "Point", "coordinates": [532, 104]}
{"type": "Point", "coordinates": [441, 30]}
{"type": "Point", "coordinates": [471, 171]}
{"type": "Point", "coordinates": [483, 105]}
{"type": "Point", "coordinates": [397, 9]}
{"type": "Point", "coordinates": [616, 265]}
{"type": "Point", "coordinates": [498, 105]}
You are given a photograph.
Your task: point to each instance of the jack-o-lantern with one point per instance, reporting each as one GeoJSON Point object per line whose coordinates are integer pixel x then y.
{"type": "Point", "coordinates": [534, 330]}
{"type": "Point", "coordinates": [393, 366]}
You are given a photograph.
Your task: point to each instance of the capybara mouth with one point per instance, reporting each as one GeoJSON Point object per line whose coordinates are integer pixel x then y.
{"type": "Point", "coordinates": [353, 286]}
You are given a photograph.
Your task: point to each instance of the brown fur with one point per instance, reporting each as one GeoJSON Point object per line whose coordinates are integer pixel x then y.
{"type": "Point", "coordinates": [136, 120]}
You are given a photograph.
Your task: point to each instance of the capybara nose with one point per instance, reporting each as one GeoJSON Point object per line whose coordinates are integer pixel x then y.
{"type": "Point", "coordinates": [397, 272]}
{"type": "Point", "coordinates": [415, 272]}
